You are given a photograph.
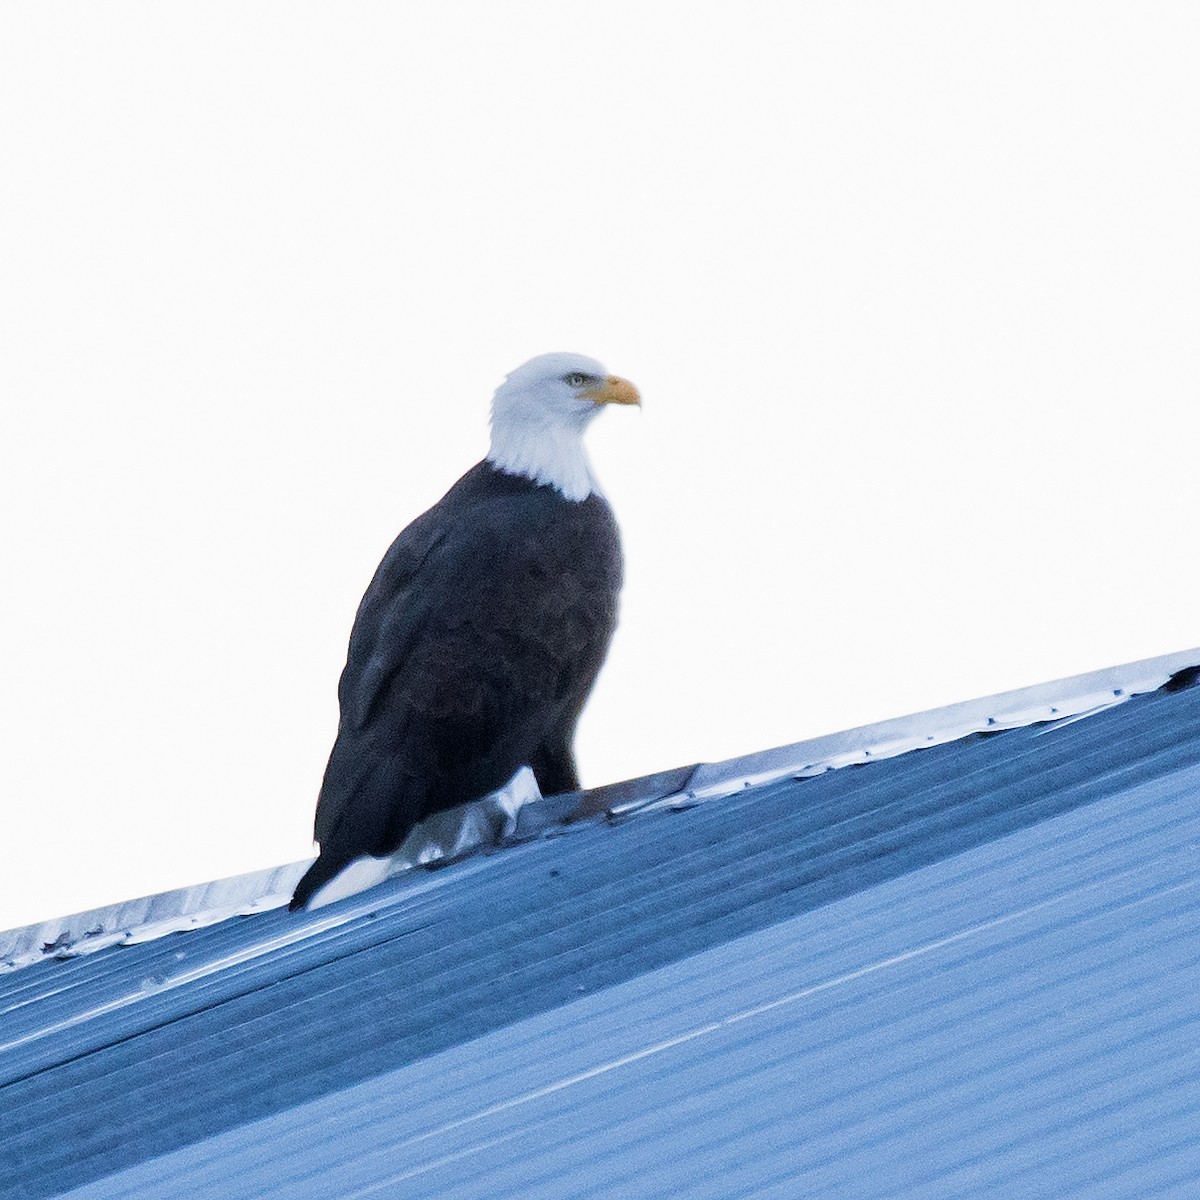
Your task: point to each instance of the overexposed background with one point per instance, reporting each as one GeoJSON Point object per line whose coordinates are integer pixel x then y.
{"type": "Point", "coordinates": [912, 293]}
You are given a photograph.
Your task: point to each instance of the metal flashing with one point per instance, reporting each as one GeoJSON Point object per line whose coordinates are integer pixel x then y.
{"type": "Point", "coordinates": [518, 812]}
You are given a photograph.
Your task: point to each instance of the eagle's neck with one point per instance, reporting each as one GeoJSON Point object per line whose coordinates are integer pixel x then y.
{"type": "Point", "coordinates": [544, 452]}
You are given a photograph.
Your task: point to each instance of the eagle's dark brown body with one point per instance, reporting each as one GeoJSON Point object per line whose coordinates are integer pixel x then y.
{"type": "Point", "coordinates": [472, 654]}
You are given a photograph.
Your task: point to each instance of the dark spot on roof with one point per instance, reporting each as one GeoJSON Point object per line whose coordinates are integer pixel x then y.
{"type": "Point", "coordinates": [1186, 678]}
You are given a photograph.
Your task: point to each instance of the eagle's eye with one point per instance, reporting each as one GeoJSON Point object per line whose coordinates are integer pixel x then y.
{"type": "Point", "coordinates": [575, 379]}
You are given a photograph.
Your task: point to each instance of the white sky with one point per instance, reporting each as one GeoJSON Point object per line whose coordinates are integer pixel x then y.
{"type": "Point", "coordinates": [912, 292]}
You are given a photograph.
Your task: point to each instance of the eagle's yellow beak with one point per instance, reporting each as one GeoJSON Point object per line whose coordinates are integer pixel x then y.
{"type": "Point", "coordinates": [613, 390]}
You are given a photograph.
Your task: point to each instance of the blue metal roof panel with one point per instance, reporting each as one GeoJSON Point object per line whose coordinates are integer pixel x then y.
{"type": "Point", "coordinates": [1020, 1019]}
{"type": "Point", "coordinates": [229, 1041]}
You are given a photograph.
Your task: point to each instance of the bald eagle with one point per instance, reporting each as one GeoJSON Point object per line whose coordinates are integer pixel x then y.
{"type": "Point", "coordinates": [484, 628]}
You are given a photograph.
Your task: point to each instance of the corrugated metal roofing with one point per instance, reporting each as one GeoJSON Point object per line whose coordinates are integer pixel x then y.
{"type": "Point", "coordinates": [1018, 1020]}
{"type": "Point", "coordinates": [970, 970]}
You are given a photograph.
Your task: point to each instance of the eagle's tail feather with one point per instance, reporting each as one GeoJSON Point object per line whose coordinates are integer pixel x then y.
{"type": "Point", "coordinates": [315, 878]}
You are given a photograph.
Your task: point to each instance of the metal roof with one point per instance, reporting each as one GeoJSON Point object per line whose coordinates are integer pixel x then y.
{"type": "Point", "coordinates": [964, 971]}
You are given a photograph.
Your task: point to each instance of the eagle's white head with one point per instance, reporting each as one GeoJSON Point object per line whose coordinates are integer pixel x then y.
{"type": "Point", "coordinates": [539, 415]}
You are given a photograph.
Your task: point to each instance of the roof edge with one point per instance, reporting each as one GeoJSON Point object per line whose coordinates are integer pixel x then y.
{"type": "Point", "coordinates": [1059, 700]}
{"type": "Point", "coordinates": [203, 904]}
